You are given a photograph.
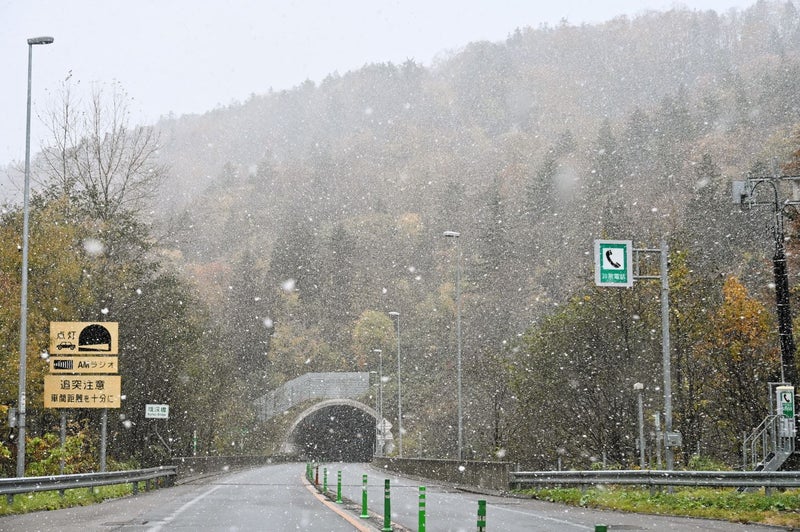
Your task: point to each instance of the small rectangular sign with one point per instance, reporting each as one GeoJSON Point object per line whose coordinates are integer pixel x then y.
{"type": "Point", "coordinates": [156, 411]}
{"type": "Point", "coordinates": [613, 263]}
{"type": "Point", "coordinates": [84, 338]}
{"type": "Point", "coordinates": [83, 365]}
{"type": "Point", "coordinates": [81, 391]}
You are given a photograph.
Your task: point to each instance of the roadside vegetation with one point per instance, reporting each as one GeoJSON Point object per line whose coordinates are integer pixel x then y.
{"type": "Point", "coordinates": [777, 508]}
{"type": "Point", "coordinates": [44, 457]}
{"type": "Point", "coordinates": [53, 500]}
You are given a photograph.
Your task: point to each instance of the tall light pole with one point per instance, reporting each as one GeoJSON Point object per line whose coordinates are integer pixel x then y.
{"type": "Point", "coordinates": [23, 306]}
{"type": "Point", "coordinates": [746, 194]}
{"type": "Point", "coordinates": [455, 235]}
{"type": "Point", "coordinates": [380, 400]}
{"type": "Point", "coordinates": [396, 315]}
{"type": "Point", "coordinates": [377, 383]}
{"type": "Point", "coordinates": [639, 387]}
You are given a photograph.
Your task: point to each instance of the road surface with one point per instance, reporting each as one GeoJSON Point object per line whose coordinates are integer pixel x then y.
{"type": "Point", "coordinates": [277, 498]}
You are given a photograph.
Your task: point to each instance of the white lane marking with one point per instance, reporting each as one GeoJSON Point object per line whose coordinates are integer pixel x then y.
{"type": "Point", "coordinates": [182, 509]}
{"type": "Point", "coordinates": [539, 516]}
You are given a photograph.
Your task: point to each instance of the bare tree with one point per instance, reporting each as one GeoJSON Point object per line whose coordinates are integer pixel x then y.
{"type": "Point", "coordinates": [97, 157]}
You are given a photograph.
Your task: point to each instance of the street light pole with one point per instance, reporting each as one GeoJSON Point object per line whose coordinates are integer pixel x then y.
{"type": "Point", "coordinates": [455, 235]}
{"type": "Point", "coordinates": [399, 397]}
{"type": "Point", "coordinates": [744, 192]}
{"type": "Point", "coordinates": [639, 387]}
{"type": "Point", "coordinates": [23, 312]}
{"type": "Point", "coordinates": [380, 400]}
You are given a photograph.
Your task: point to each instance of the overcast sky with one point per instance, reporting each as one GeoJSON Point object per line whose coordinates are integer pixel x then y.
{"type": "Point", "coordinates": [191, 56]}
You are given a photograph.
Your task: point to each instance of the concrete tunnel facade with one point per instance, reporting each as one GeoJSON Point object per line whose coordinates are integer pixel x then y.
{"type": "Point", "coordinates": [337, 430]}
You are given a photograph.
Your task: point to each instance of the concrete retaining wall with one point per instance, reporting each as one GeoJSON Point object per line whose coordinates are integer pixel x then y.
{"type": "Point", "coordinates": [200, 465]}
{"type": "Point", "coordinates": [487, 475]}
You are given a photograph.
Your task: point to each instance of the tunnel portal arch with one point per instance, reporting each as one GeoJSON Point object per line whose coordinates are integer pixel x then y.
{"type": "Point", "coordinates": [337, 430]}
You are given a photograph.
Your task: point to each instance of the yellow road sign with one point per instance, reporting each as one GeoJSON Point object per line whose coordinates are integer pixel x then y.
{"type": "Point", "coordinates": [84, 338]}
{"type": "Point", "coordinates": [82, 391]}
{"type": "Point", "coordinates": [83, 365]}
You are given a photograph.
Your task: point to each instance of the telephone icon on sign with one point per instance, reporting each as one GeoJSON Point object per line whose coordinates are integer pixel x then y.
{"type": "Point", "coordinates": [611, 260]}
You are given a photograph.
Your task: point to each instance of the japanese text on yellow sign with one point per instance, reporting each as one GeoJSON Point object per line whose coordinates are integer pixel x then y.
{"type": "Point", "coordinates": [82, 391]}
{"type": "Point", "coordinates": [67, 364]}
{"type": "Point", "coordinates": [84, 338]}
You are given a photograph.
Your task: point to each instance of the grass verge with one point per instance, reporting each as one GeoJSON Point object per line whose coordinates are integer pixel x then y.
{"type": "Point", "coordinates": [779, 508]}
{"type": "Point", "coordinates": [52, 500]}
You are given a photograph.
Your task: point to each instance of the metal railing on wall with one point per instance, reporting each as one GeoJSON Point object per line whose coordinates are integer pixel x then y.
{"type": "Point", "coordinates": [767, 479]}
{"type": "Point", "coordinates": [14, 486]}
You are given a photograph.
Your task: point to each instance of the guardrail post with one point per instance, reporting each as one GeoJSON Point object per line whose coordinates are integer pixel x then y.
{"type": "Point", "coordinates": [364, 511]}
{"type": "Point", "coordinates": [481, 515]}
{"type": "Point", "coordinates": [387, 508]}
{"type": "Point", "coordinates": [421, 525]}
{"type": "Point", "coordinates": [316, 476]}
{"type": "Point", "coordinates": [135, 488]}
{"type": "Point", "coordinates": [339, 487]}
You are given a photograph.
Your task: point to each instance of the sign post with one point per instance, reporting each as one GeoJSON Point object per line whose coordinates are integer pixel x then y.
{"type": "Point", "coordinates": [88, 380]}
{"type": "Point", "coordinates": [613, 261]}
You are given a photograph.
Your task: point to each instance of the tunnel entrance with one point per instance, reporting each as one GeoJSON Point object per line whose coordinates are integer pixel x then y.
{"type": "Point", "coordinates": [336, 433]}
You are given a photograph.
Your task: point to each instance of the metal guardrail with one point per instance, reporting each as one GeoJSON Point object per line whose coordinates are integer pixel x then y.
{"type": "Point", "coordinates": [17, 485]}
{"type": "Point", "coordinates": [735, 479]}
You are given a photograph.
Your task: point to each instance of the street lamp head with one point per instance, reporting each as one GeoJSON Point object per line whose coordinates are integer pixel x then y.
{"type": "Point", "coordinates": [452, 234]}
{"type": "Point", "coordinates": [638, 386]}
{"type": "Point", "coordinates": [40, 40]}
{"type": "Point", "coordinates": [377, 350]}
{"type": "Point", "coordinates": [394, 314]}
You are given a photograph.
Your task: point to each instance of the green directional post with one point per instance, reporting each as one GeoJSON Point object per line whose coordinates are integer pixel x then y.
{"type": "Point", "coordinates": [481, 516]}
{"type": "Point", "coordinates": [339, 487]}
{"type": "Point", "coordinates": [364, 511]}
{"type": "Point", "coordinates": [421, 526]}
{"type": "Point", "coordinates": [387, 508]}
{"type": "Point", "coordinates": [324, 480]}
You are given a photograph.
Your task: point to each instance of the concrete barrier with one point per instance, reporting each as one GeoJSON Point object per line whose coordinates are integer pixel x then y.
{"type": "Point", "coordinates": [201, 465]}
{"type": "Point", "coordinates": [487, 475]}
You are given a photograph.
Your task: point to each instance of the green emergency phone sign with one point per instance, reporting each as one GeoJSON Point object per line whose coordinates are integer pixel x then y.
{"type": "Point", "coordinates": [613, 263]}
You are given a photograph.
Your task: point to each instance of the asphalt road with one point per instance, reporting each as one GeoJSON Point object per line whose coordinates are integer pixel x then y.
{"type": "Point", "coordinates": [266, 499]}
{"type": "Point", "coordinates": [450, 510]}
{"type": "Point", "coordinates": [277, 498]}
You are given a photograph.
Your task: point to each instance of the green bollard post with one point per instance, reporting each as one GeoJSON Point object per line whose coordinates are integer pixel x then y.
{"type": "Point", "coordinates": [600, 528]}
{"type": "Point", "coordinates": [387, 508]}
{"type": "Point", "coordinates": [421, 525]}
{"type": "Point", "coordinates": [339, 487]}
{"type": "Point", "coordinates": [364, 512]}
{"type": "Point", "coordinates": [481, 516]}
{"type": "Point", "coordinates": [325, 480]}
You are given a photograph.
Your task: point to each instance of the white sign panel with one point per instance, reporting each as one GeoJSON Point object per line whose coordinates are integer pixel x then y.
{"type": "Point", "coordinates": [786, 411]}
{"type": "Point", "coordinates": [156, 411]}
{"type": "Point", "coordinates": [613, 263]}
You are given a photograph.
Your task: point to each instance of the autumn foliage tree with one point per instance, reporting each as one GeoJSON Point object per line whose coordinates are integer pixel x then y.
{"type": "Point", "coordinates": [738, 358]}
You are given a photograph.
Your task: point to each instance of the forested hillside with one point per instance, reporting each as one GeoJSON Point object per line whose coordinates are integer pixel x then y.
{"type": "Point", "coordinates": [531, 148]}
{"type": "Point", "coordinates": [288, 226]}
